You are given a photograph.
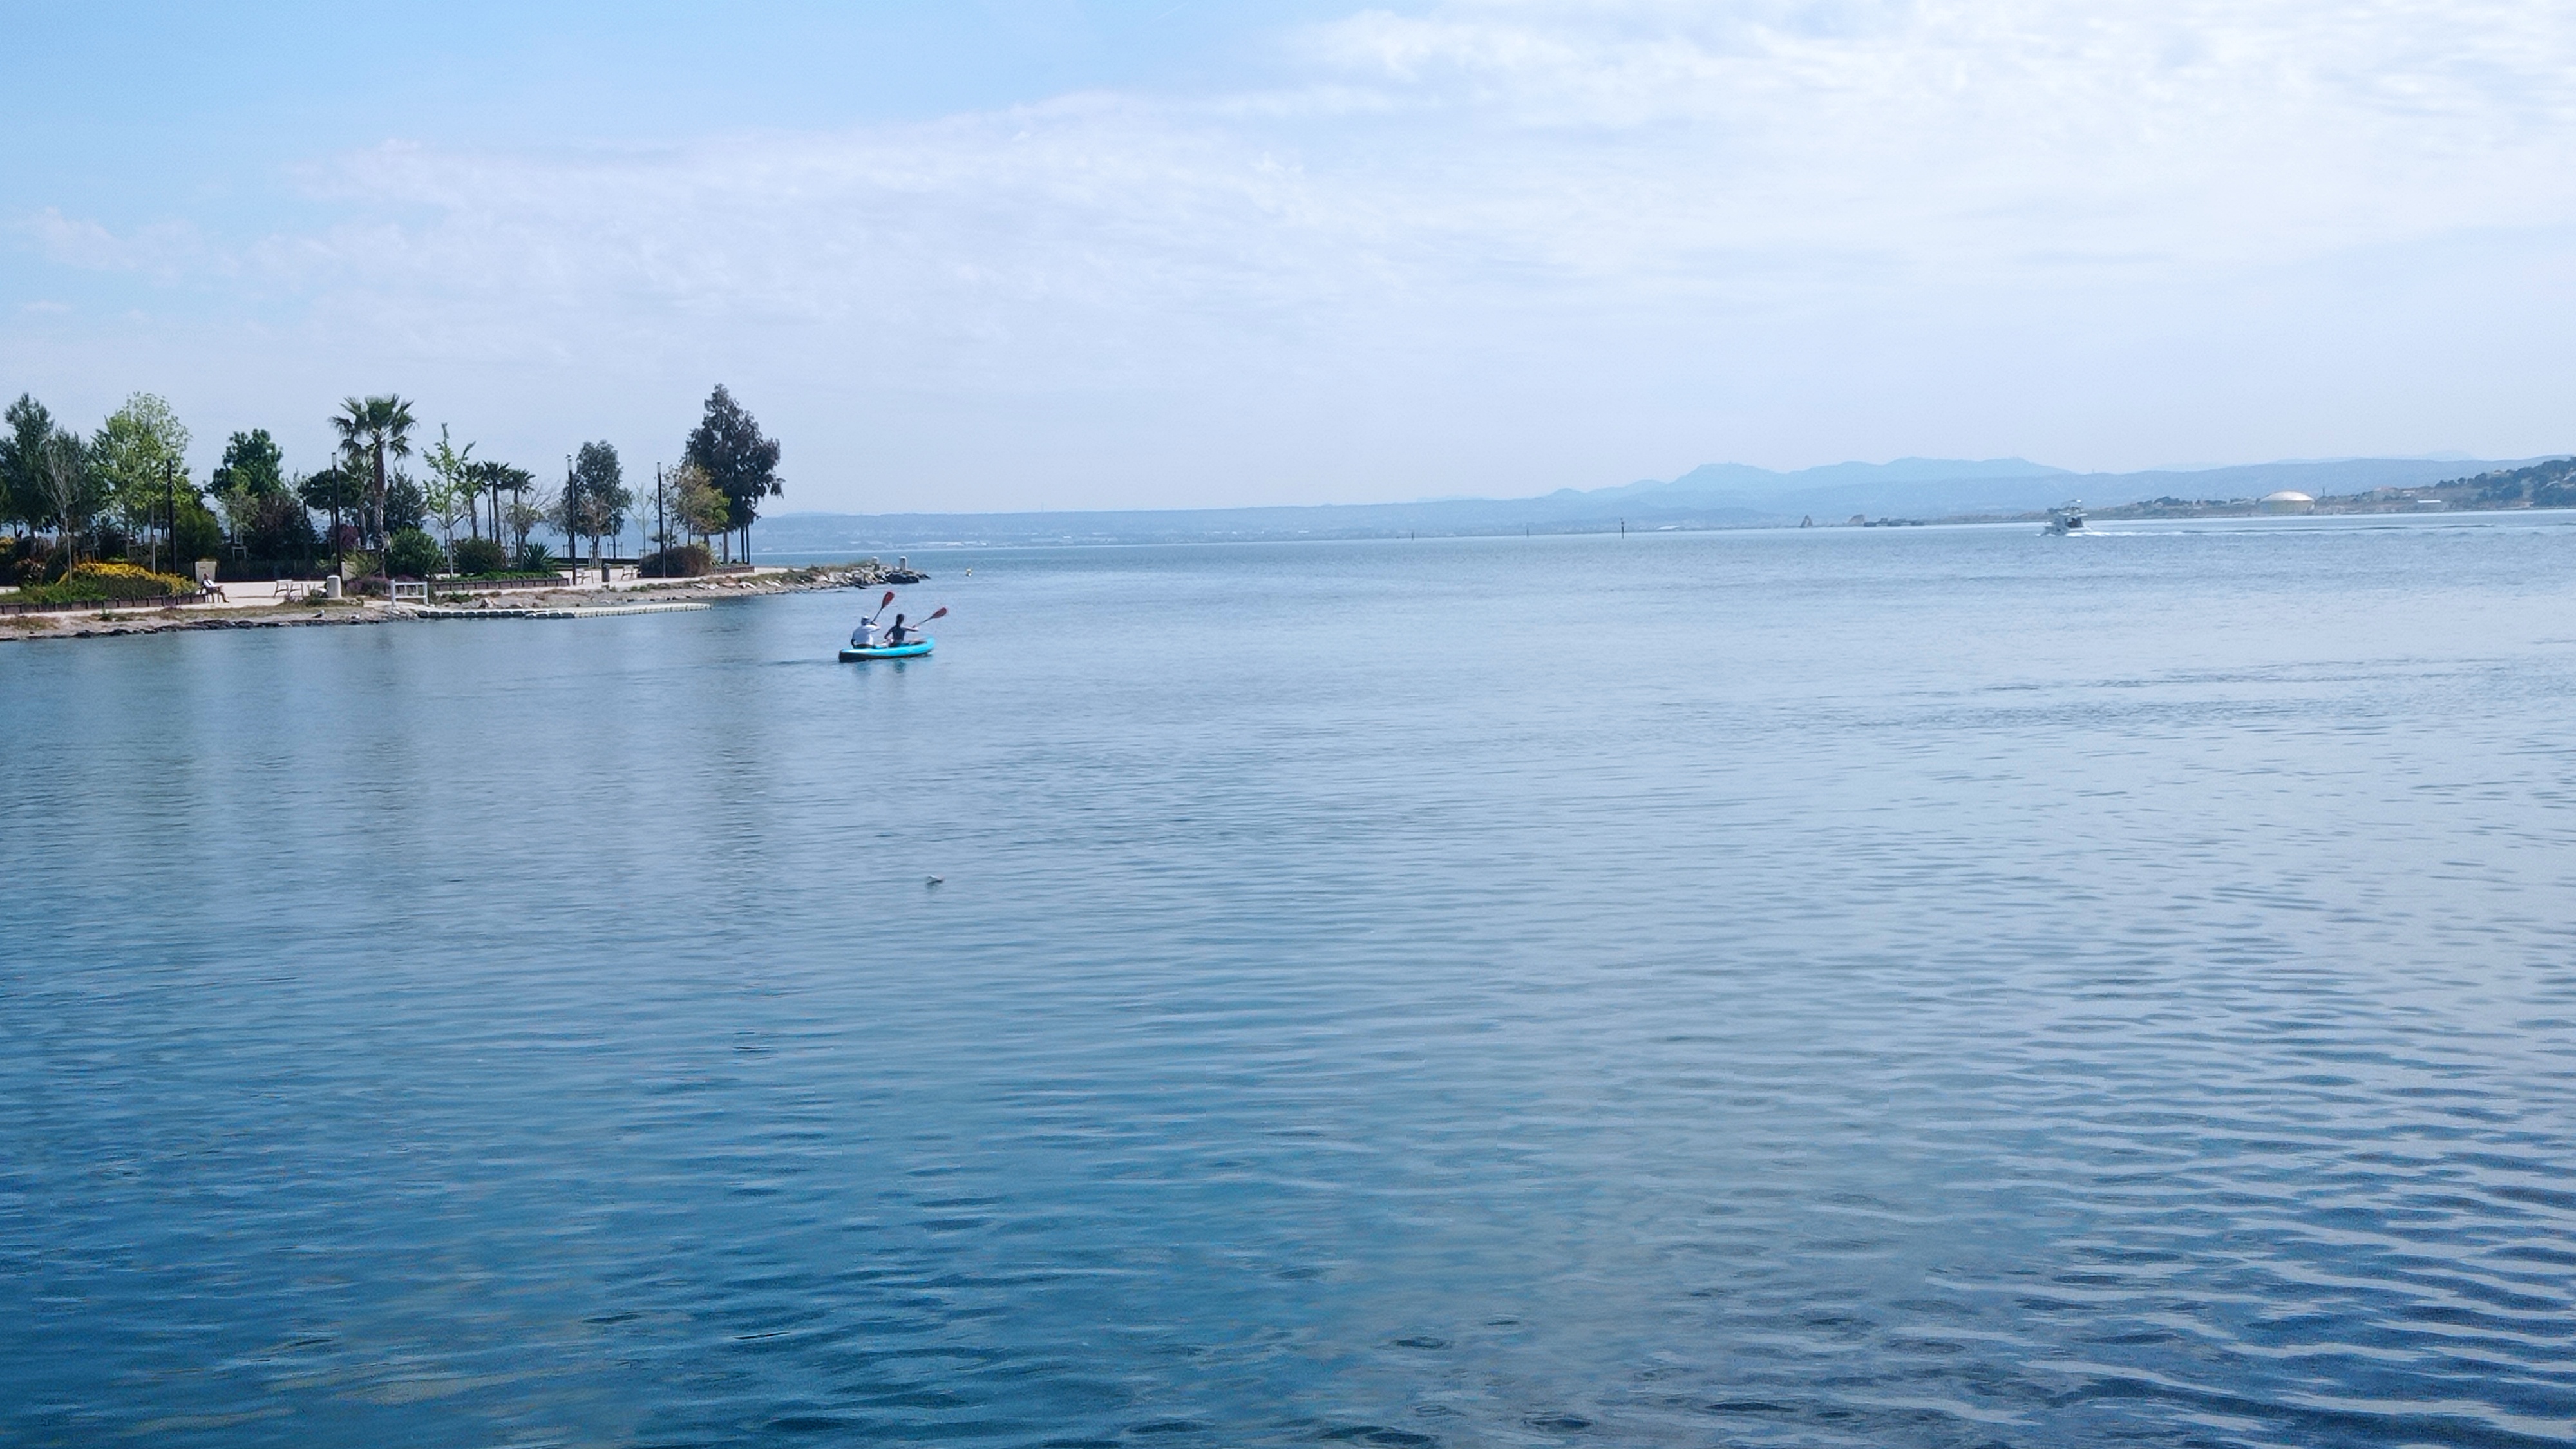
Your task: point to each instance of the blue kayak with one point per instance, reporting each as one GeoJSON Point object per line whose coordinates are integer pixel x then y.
{"type": "Point", "coordinates": [887, 651]}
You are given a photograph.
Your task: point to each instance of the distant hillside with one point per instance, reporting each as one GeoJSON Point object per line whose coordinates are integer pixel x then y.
{"type": "Point", "coordinates": [1942, 488]}
{"type": "Point", "coordinates": [1739, 481]}
{"type": "Point", "coordinates": [1718, 495]}
{"type": "Point", "coordinates": [2550, 483]}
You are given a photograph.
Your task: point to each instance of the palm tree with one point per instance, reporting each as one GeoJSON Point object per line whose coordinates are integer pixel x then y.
{"type": "Point", "coordinates": [483, 479]}
{"type": "Point", "coordinates": [500, 478]}
{"type": "Point", "coordinates": [372, 429]}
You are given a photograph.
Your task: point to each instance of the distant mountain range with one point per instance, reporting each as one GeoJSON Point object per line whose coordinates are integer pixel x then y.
{"type": "Point", "coordinates": [1953, 488]}
{"type": "Point", "coordinates": [1718, 495]}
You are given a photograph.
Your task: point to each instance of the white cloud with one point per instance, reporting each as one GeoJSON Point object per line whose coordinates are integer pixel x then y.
{"type": "Point", "coordinates": [1690, 230]}
{"type": "Point", "coordinates": [2215, 131]}
{"type": "Point", "coordinates": [163, 250]}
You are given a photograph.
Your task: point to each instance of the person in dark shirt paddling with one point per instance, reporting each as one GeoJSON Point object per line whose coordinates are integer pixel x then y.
{"type": "Point", "coordinates": [897, 634]}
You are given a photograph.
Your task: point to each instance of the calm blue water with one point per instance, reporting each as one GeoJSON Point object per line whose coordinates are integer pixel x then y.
{"type": "Point", "coordinates": [1932, 987]}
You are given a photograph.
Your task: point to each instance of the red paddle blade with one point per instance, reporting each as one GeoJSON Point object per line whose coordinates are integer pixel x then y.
{"type": "Point", "coordinates": [939, 613]}
{"type": "Point", "coordinates": [888, 599]}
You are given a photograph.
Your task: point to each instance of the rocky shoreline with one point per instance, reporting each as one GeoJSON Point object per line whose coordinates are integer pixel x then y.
{"type": "Point", "coordinates": [867, 574]}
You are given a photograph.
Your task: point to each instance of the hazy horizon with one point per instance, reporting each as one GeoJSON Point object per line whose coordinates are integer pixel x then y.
{"type": "Point", "coordinates": [1074, 256]}
{"type": "Point", "coordinates": [1846, 467]}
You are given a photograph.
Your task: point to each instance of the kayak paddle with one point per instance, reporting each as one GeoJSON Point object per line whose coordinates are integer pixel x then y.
{"type": "Point", "coordinates": [940, 613]}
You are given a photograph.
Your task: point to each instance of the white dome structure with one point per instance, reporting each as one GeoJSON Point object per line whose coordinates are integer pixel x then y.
{"type": "Point", "coordinates": [2287, 501]}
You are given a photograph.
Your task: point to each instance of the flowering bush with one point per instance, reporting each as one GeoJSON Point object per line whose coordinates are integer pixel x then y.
{"type": "Point", "coordinates": [91, 582]}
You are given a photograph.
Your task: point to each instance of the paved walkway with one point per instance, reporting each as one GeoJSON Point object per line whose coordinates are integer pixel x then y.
{"type": "Point", "coordinates": [255, 592]}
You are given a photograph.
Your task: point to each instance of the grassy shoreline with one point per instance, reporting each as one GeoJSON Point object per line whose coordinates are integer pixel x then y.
{"type": "Point", "coordinates": [91, 624]}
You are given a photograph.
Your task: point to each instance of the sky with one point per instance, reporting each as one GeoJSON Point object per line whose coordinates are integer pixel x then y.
{"type": "Point", "coordinates": [1076, 253]}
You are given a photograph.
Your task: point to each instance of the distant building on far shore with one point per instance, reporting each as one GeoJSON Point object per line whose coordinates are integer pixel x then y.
{"type": "Point", "coordinates": [2287, 501]}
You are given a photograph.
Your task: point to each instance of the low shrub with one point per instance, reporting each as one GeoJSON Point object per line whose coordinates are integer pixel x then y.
{"type": "Point", "coordinates": [22, 562]}
{"type": "Point", "coordinates": [412, 554]}
{"type": "Point", "coordinates": [482, 556]}
{"type": "Point", "coordinates": [535, 559]}
{"type": "Point", "coordinates": [688, 561]}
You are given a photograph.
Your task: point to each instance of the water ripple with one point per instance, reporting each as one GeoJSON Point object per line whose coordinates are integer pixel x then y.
{"type": "Point", "coordinates": [1887, 990]}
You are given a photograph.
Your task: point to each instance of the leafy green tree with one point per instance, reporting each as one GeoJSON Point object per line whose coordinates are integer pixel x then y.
{"type": "Point", "coordinates": [195, 533]}
{"type": "Point", "coordinates": [372, 430]}
{"type": "Point", "coordinates": [261, 514]}
{"type": "Point", "coordinates": [272, 526]}
{"type": "Point", "coordinates": [455, 481]}
{"type": "Point", "coordinates": [595, 500]}
{"type": "Point", "coordinates": [404, 505]}
{"type": "Point", "coordinates": [252, 465]}
{"type": "Point", "coordinates": [337, 492]}
{"type": "Point", "coordinates": [141, 457]}
{"type": "Point", "coordinates": [740, 463]}
{"type": "Point", "coordinates": [72, 491]}
{"type": "Point", "coordinates": [701, 510]}
{"type": "Point", "coordinates": [449, 505]}
{"type": "Point", "coordinates": [22, 462]}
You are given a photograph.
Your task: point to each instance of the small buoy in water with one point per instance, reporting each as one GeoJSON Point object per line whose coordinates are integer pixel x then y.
{"type": "Point", "coordinates": [934, 880]}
